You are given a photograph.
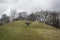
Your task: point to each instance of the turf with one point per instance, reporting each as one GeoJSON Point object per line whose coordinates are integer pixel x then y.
{"type": "Point", "coordinates": [18, 30]}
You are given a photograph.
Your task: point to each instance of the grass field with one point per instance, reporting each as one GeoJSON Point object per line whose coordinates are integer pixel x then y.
{"type": "Point", "coordinates": [18, 30]}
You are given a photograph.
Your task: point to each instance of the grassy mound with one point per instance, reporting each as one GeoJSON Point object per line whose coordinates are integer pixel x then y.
{"type": "Point", "coordinates": [18, 30]}
{"type": "Point", "coordinates": [33, 24]}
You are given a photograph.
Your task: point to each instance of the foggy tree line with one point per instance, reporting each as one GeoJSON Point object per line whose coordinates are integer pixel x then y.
{"type": "Point", "coordinates": [47, 17]}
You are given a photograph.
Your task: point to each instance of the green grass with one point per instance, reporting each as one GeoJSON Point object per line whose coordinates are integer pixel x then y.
{"type": "Point", "coordinates": [18, 30]}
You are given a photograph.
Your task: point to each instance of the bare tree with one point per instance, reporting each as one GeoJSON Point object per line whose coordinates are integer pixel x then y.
{"type": "Point", "coordinates": [46, 17]}
{"type": "Point", "coordinates": [32, 17]}
{"type": "Point", "coordinates": [4, 19]}
{"type": "Point", "coordinates": [55, 19]}
{"type": "Point", "coordinates": [22, 15]}
{"type": "Point", "coordinates": [13, 13]}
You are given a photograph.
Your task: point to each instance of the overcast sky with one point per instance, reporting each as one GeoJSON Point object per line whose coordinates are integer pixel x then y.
{"type": "Point", "coordinates": [29, 5]}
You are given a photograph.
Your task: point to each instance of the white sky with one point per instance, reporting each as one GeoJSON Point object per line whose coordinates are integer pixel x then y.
{"type": "Point", "coordinates": [29, 5]}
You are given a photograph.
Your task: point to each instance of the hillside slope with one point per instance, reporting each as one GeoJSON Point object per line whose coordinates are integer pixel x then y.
{"type": "Point", "coordinates": [18, 30]}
